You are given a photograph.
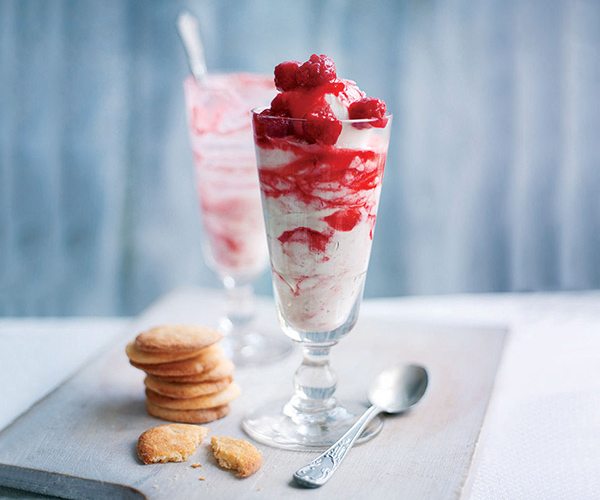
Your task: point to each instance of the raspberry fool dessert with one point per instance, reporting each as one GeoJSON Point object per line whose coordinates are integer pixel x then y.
{"type": "Point", "coordinates": [321, 148]}
{"type": "Point", "coordinates": [227, 182]}
{"type": "Point", "coordinates": [320, 176]}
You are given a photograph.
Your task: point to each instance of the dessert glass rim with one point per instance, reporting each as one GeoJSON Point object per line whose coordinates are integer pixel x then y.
{"type": "Point", "coordinates": [219, 74]}
{"type": "Point", "coordinates": [260, 109]}
{"type": "Point", "coordinates": [211, 84]}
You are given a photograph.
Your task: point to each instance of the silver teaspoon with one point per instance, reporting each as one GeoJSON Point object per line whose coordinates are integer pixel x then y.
{"type": "Point", "coordinates": [395, 390]}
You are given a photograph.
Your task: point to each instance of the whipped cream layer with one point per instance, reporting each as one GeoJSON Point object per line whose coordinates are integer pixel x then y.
{"type": "Point", "coordinates": [320, 206]}
{"type": "Point", "coordinates": [340, 102]}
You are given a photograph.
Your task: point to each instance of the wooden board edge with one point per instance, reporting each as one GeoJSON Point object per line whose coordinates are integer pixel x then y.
{"type": "Point", "coordinates": [467, 484]}
{"type": "Point", "coordinates": [62, 485]}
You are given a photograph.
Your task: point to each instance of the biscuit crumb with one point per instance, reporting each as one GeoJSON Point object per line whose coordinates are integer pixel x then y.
{"type": "Point", "coordinates": [196, 465]}
{"type": "Point", "coordinates": [236, 454]}
{"type": "Point", "coordinates": [202, 478]}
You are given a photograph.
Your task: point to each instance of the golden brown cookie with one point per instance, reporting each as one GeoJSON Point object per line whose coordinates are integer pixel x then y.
{"type": "Point", "coordinates": [188, 416]}
{"type": "Point", "coordinates": [226, 396]}
{"type": "Point", "coordinates": [206, 360]}
{"type": "Point", "coordinates": [153, 358]}
{"type": "Point", "coordinates": [223, 369]}
{"type": "Point", "coordinates": [185, 390]}
{"type": "Point", "coordinates": [169, 443]}
{"type": "Point", "coordinates": [176, 338]}
{"type": "Point", "coordinates": [237, 455]}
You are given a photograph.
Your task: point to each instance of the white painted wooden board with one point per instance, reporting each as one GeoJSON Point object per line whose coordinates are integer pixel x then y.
{"type": "Point", "coordinates": [80, 440]}
{"type": "Point", "coordinates": [25, 376]}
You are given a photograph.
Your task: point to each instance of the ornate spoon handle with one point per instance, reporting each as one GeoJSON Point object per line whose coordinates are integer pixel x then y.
{"type": "Point", "coordinates": [318, 472]}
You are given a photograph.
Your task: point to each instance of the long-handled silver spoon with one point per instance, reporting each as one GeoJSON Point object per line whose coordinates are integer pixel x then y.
{"type": "Point", "coordinates": [189, 32]}
{"type": "Point", "coordinates": [393, 391]}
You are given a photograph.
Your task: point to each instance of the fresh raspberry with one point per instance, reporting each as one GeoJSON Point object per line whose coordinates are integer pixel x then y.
{"type": "Point", "coordinates": [269, 125]}
{"type": "Point", "coordinates": [322, 127]}
{"type": "Point", "coordinates": [285, 75]}
{"type": "Point", "coordinates": [367, 108]}
{"type": "Point", "coordinates": [318, 70]}
{"type": "Point", "coordinates": [279, 105]}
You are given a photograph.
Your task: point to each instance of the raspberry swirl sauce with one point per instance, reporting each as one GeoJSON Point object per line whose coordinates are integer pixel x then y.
{"type": "Point", "coordinates": [227, 182]}
{"type": "Point", "coordinates": [320, 178]}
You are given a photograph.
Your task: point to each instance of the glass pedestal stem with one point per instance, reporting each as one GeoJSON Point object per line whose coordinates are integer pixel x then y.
{"type": "Point", "coordinates": [240, 307]}
{"type": "Point", "coordinates": [314, 387]}
{"type": "Point", "coordinates": [242, 344]}
{"type": "Point", "coordinates": [313, 419]}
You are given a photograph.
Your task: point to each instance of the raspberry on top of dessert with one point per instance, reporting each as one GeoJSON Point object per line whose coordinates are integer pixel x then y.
{"type": "Point", "coordinates": [312, 103]}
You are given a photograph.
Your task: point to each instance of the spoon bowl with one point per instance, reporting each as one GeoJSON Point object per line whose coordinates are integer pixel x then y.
{"type": "Point", "coordinates": [399, 388]}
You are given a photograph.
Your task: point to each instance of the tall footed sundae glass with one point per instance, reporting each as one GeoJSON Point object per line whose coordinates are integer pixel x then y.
{"type": "Point", "coordinates": [234, 243]}
{"type": "Point", "coordinates": [321, 149]}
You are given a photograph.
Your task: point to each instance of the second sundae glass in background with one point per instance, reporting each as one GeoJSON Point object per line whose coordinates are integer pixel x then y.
{"type": "Point", "coordinates": [218, 110]}
{"type": "Point", "coordinates": [321, 150]}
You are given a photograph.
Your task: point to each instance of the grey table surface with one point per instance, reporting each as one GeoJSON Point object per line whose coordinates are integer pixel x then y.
{"type": "Point", "coordinates": [88, 427]}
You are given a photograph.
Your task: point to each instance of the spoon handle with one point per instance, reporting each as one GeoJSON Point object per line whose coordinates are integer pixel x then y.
{"type": "Point", "coordinates": [318, 472]}
{"type": "Point", "coordinates": [187, 26]}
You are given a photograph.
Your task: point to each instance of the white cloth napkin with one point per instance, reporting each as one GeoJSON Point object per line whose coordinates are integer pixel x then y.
{"type": "Point", "coordinates": [541, 437]}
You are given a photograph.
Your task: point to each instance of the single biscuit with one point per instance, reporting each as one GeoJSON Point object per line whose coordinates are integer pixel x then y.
{"type": "Point", "coordinates": [153, 358]}
{"type": "Point", "coordinates": [185, 390]}
{"type": "Point", "coordinates": [223, 369]}
{"type": "Point", "coordinates": [188, 416]}
{"type": "Point", "coordinates": [169, 443]}
{"type": "Point", "coordinates": [226, 396]}
{"type": "Point", "coordinates": [236, 454]}
{"type": "Point", "coordinates": [176, 338]}
{"type": "Point", "coordinates": [206, 360]}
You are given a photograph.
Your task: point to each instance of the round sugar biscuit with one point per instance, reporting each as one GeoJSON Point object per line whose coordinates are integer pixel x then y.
{"type": "Point", "coordinates": [206, 360]}
{"type": "Point", "coordinates": [220, 398]}
{"type": "Point", "coordinates": [223, 369]}
{"type": "Point", "coordinates": [185, 390]}
{"type": "Point", "coordinates": [187, 416]}
{"type": "Point", "coordinates": [154, 358]}
{"type": "Point", "coordinates": [176, 338]}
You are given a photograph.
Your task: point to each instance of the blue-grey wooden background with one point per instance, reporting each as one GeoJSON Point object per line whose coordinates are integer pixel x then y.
{"type": "Point", "coordinates": [493, 178]}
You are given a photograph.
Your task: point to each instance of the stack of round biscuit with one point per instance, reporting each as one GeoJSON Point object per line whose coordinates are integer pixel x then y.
{"type": "Point", "coordinates": [188, 379]}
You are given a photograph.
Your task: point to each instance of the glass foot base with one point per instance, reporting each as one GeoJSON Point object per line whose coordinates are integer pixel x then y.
{"type": "Point", "coordinates": [253, 349]}
{"type": "Point", "coordinates": [271, 426]}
